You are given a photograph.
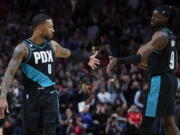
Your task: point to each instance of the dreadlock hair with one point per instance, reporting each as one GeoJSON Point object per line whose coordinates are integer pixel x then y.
{"type": "Point", "coordinates": [172, 15]}
{"type": "Point", "coordinates": [167, 11]}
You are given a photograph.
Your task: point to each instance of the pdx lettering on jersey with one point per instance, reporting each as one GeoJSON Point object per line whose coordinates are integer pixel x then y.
{"type": "Point", "coordinates": [38, 68]}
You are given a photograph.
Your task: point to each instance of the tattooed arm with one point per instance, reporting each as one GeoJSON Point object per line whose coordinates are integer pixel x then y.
{"type": "Point", "coordinates": [60, 51]}
{"type": "Point", "coordinates": [18, 55]}
{"type": "Point", "coordinates": [65, 53]}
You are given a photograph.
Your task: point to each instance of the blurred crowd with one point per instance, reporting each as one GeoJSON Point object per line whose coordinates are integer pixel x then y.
{"type": "Point", "coordinates": [91, 102]}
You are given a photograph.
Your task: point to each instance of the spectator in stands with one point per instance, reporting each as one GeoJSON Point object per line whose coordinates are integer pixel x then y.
{"type": "Point", "coordinates": [67, 119]}
{"type": "Point", "coordinates": [99, 118]}
{"type": "Point", "coordinates": [122, 120]}
{"type": "Point", "coordinates": [117, 96]}
{"type": "Point", "coordinates": [104, 96]}
{"type": "Point", "coordinates": [113, 127]}
{"type": "Point", "coordinates": [134, 118]}
{"type": "Point", "coordinates": [76, 127]}
{"type": "Point", "coordinates": [139, 97]}
{"type": "Point", "coordinates": [87, 119]}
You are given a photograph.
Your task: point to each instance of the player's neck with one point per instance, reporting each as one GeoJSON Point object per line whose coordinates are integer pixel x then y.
{"type": "Point", "coordinates": [160, 27]}
{"type": "Point", "coordinates": [37, 39]}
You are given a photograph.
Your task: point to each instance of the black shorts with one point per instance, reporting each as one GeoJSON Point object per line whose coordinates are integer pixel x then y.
{"type": "Point", "coordinates": [40, 108]}
{"type": "Point", "coordinates": [160, 100]}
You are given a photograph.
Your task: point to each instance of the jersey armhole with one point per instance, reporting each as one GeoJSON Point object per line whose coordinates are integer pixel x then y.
{"type": "Point", "coordinates": [167, 31]}
{"type": "Point", "coordinates": [52, 47]}
{"type": "Point", "coordinates": [29, 50]}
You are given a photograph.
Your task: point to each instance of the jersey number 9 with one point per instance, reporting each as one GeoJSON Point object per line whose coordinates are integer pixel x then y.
{"type": "Point", "coordinates": [171, 64]}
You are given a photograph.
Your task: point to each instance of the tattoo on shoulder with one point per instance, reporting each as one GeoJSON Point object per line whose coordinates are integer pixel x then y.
{"type": "Point", "coordinates": [13, 66]}
{"type": "Point", "coordinates": [20, 52]}
{"type": "Point", "coordinates": [60, 51]}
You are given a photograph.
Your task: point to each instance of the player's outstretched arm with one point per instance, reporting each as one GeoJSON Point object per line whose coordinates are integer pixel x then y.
{"type": "Point", "coordinates": [158, 42]}
{"type": "Point", "coordinates": [61, 52]}
{"type": "Point", "coordinates": [17, 57]}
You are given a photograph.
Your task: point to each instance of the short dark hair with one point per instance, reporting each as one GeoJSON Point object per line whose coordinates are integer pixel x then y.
{"type": "Point", "coordinates": [39, 19]}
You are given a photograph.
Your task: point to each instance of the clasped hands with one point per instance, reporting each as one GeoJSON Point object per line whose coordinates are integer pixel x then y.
{"type": "Point", "coordinates": [94, 62]}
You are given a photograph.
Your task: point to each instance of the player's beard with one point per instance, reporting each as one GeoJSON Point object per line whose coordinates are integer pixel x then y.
{"type": "Point", "coordinates": [48, 37]}
{"type": "Point", "coordinates": [158, 27]}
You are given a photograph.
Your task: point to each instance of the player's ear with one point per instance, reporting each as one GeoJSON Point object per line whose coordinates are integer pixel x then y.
{"type": "Point", "coordinates": [40, 27]}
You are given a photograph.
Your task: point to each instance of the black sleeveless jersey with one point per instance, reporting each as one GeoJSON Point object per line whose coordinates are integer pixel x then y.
{"type": "Point", "coordinates": [160, 62]}
{"type": "Point", "coordinates": [38, 68]}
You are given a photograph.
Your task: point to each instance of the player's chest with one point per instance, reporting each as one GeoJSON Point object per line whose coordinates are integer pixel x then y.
{"type": "Point", "coordinates": [42, 56]}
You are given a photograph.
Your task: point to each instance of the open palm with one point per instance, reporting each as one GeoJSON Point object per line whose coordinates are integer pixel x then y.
{"type": "Point", "coordinates": [93, 62]}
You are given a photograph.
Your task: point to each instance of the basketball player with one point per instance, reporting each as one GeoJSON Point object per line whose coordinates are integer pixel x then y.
{"type": "Point", "coordinates": [36, 58]}
{"type": "Point", "coordinates": [159, 56]}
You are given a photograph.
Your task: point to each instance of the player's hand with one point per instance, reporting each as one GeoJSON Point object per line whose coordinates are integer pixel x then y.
{"type": "Point", "coordinates": [3, 107]}
{"type": "Point", "coordinates": [142, 65]}
{"type": "Point", "coordinates": [144, 62]}
{"type": "Point", "coordinates": [112, 63]}
{"type": "Point", "coordinates": [93, 62]}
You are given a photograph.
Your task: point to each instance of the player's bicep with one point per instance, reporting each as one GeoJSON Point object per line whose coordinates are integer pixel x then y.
{"type": "Point", "coordinates": [63, 52]}
{"type": "Point", "coordinates": [60, 51]}
{"type": "Point", "coordinates": [158, 42]}
{"type": "Point", "coordinates": [17, 57]}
